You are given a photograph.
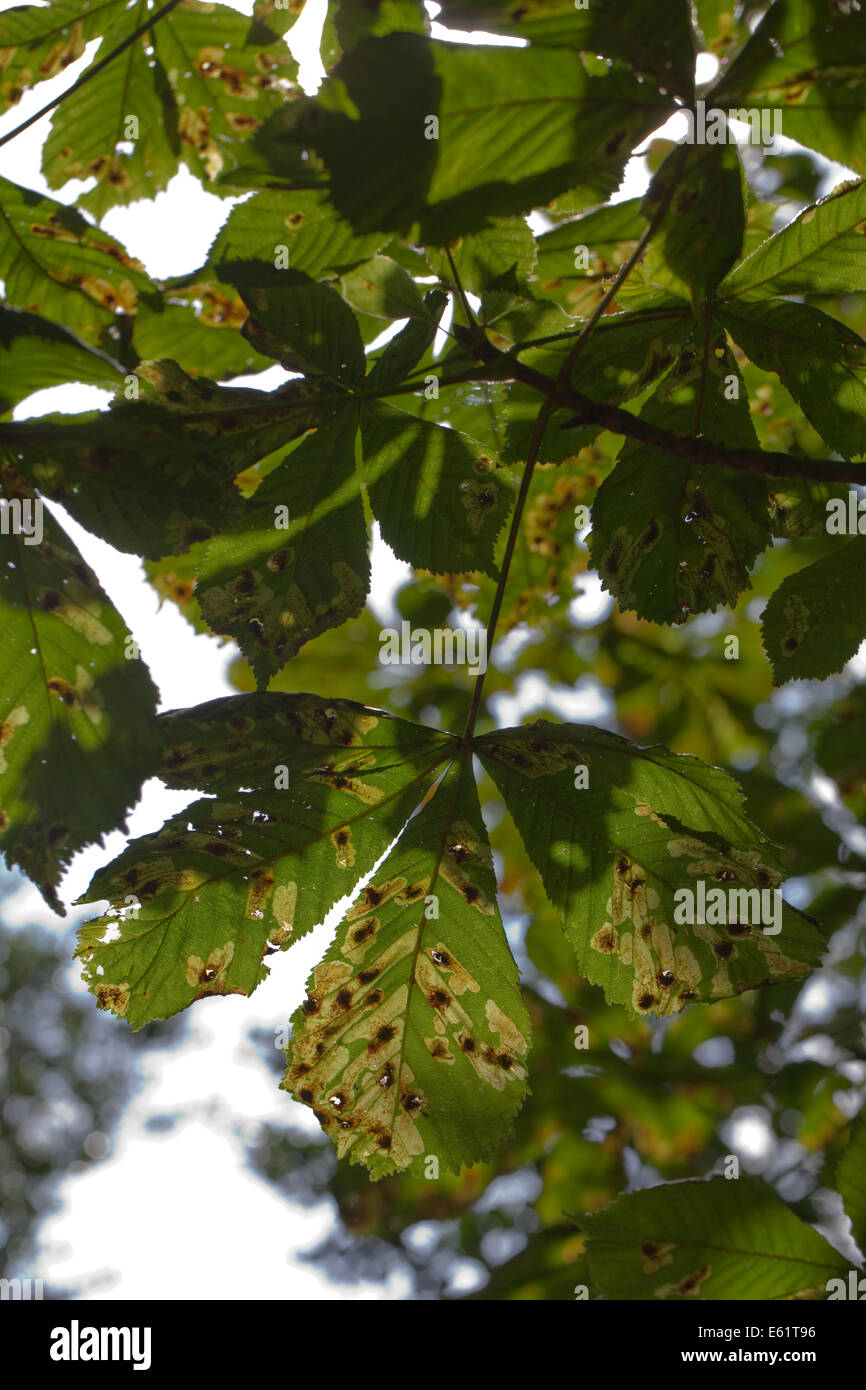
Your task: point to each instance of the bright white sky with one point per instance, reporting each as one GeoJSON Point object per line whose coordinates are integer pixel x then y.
{"type": "Point", "coordinates": [193, 1221]}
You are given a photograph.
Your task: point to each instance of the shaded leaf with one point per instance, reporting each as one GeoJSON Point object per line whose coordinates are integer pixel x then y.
{"type": "Point", "coordinates": [822, 251]}
{"type": "Point", "coordinates": [78, 733]}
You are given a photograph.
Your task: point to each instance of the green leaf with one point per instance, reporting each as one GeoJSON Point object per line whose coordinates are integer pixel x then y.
{"type": "Point", "coordinates": [609, 235]}
{"type": "Point", "coordinates": [38, 41]}
{"type": "Point", "coordinates": [406, 349]}
{"type": "Point", "coordinates": [850, 1179]}
{"type": "Point", "coordinates": [671, 538]}
{"type": "Point", "coordinates": [295, 563]}
{"type": "Point", "coordinates": [817, 358]}
{"type": "Point", "coordinates": [705, 1240]}
{"type": "Point", "coordinates": [94, 122]}
{"type": "Point", "coordinates": [660, 46]}
{"type": "Point", "coordinates": [384, 289]}
{"type": "Point", "coordinates": [356, 20]}
{"type": "Point", "coordinates": [612, 855]}
{"type": "Point", "coordinates": [317, 241]}
{"type": "Point", "coordinates": [263, 862]}
{"type": "Point", "coordinates": [823, 251]}
{"type": "Point", "coordinates": [816, 619]}
{"type": "Point", "coordinates": [804, 62]}
{"type": "Point", "coordinates": [78, 734]}
{"type": "Point", "coordinates": [441, 497]}
{"type": "Point", "coordinates": [305, 326]}
{"type": "Point", "coordinates": [228, 77]}
{"type": "Point", "coordinates": [155, 475]}
{"type": "Point", "coordinates": [516, 127]}
{"type": "Point", "coordinates": [500, 258]}
{"type": "Point", "coordinates": [56, 264]}
{"type": "Point", "coordinates": [701, 235]}
{"type": "Point", "coordinates": [412, 1041]}
{"type": "Point", "coordinates": [196, 325]}
{"type": "Point", "coordinates": [35, 353]}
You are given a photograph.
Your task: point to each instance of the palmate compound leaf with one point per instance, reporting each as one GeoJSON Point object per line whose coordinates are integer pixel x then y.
{"type": "Point", "coordinates": [77, 706]}
{"type": "Point", "coordinates": [816, 619]}
{"type": "Point", "coordinates": [309, 794]}
{"type": "Point", "coordinates": [699, 1239]}
{"type": "Point", "coordinates": [412, 1042]}
{"type": "Point", "coordinates": [671, 538]}
{"type": "Point", "coordinates": [616, 842]}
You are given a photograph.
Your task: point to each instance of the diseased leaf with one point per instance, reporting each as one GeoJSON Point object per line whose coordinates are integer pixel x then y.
{"type": "Point", "coordinates": [55, 263]}
{"type": "Point", "coordinates": [614, 852]}
{"type": "Point", "coordinates": [671, 538]}
{"type": "Point", "coordinates": [822, 251]}
{"type": "Point", "coordinates": [441, 498]}
{"type": "Point", "coordinates": [228, 77]}
{"type": "Point", "coordinates": [310, 793]}
{"type": "Point", "coordinates": [40, 41]}
{"type": "Point", "coordinates": [305, 326]}
{"type": "Point", "coordinates": [816, 619]}
{"type": "Point", "coordinates": [295, 563]}
{"type": "Point", "coordinates": [608, 235]}
{"type": "Point", "coordinates": [412, 1041]}
{"type": "Point", "coordinates": [77, 716]}
{"type": "Point", "coordinates": [516, 127]}
{"type": "Point", "coordinates": [804, 62]}
{"type": "Point", "coordinates": [701, 234]}
{"type": "Point", "coordinates": [818, 359]}
{"type": "Point", "coordinates": [92, 135]}
{"type": "Point", "coordinates": [155, 475]}
{"type": "Point", "coordinates": [384, 289]}
{"type": "Point", "coordinates": [706, 1240]}
{"type": "Point", "coordinates": [317, 241]}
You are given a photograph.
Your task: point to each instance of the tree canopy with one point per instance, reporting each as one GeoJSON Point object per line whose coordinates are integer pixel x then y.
{"type": "Point", "coordinates": [531, 385]}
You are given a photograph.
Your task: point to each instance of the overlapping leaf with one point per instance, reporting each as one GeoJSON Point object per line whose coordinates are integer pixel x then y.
{"type": "Point", "coordinates": [613, 852]}
{"type": "Point", "coordinates": [664, 52]}
{"type": "Point", "coordinates": [412, 1041]}
{"type": "Point", "coordinates": [295, 563]}
{"type": "Point", "coordinates": [822, 251]}
{"type": "Point", "coordinates": [309, 794]}
{"type": "Point", "coordinates": [77, 725]}
{"type": "Point", "coordinates": [516, 127]}
{"type": "Point", "coordinates": [850, 1179]}
{"type": "Point", "coordinates": [671, 538]}
{"type": "Point", "coordinates": [706, 1240]}
{"type": "Point", "coordinates": [818, 359]}
{"type": "Point", "coordinates": [152, 476]}
{"type": "Point", "coordinates": [805, 62]}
